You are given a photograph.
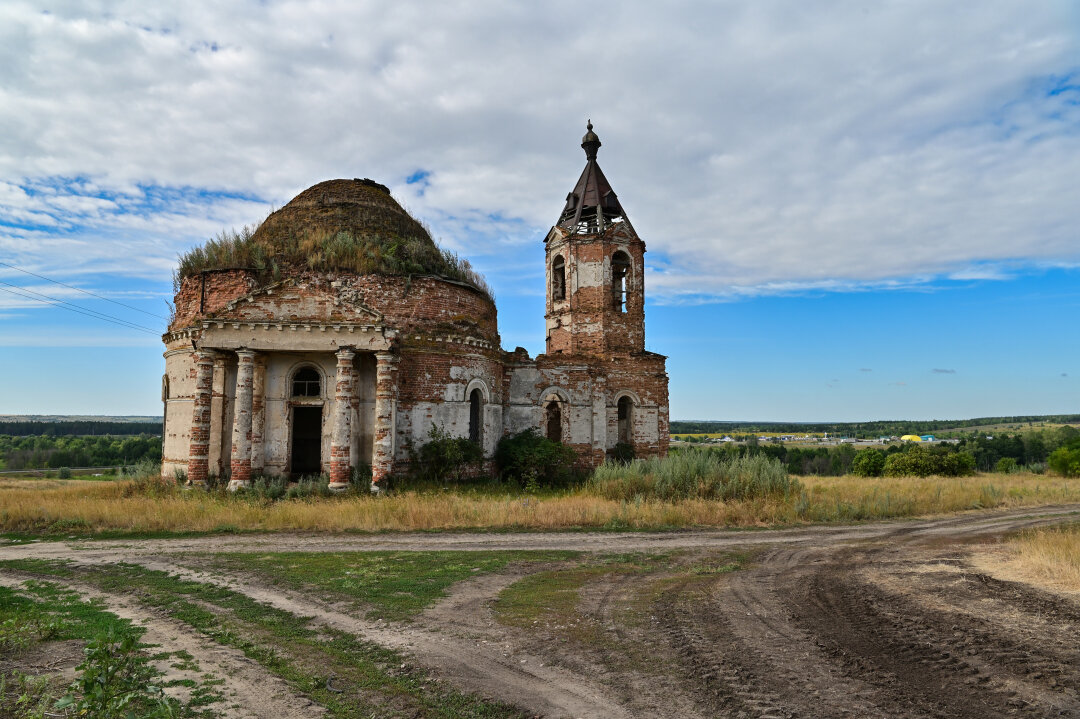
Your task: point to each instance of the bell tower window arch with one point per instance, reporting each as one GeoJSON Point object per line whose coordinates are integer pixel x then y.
{"type": "Point", "coordinates": [558, 279]}
{"type": "Point", "coordinates": [620, 280]}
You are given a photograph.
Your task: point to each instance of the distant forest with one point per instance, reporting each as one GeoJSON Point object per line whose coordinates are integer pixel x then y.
{"type": "Point", "coordinates": [863, 430]}
{"type": "Point", "coordinates": [79, 428]}
{"type": "Point", "coordinates": [41, 452]}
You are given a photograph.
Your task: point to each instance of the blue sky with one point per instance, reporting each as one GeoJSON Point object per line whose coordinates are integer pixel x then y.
{"type": "Point", "coordinates": [851, 213]}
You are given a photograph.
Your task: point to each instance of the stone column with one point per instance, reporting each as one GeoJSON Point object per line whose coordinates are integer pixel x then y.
{"type": "Point", "coordinates": [240, 466]}
{"type": "Point", "coordinates": [199, 447]}
{"type": "Point", "coordinates": [341, 431]}
{"type": "Point", "coordinates": [218, 421]}
{"type": "Point", "coordinates": [258, 416]}
{"type": "Point", "coordinates": [382, 456]}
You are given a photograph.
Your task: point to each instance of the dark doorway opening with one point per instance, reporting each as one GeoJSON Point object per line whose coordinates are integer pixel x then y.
{"type": "Point", "coordinates": [474, 416]}
{"type": "Point", "coordinates": [306, 441]}
{"type": "Point", "coordinates": [626, 409]}
{"type": "Point", "coordinates": [554, 422]}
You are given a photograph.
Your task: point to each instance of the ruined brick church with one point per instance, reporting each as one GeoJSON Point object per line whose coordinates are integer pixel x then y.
{"type": "Point", "coordinates": [318, 368]}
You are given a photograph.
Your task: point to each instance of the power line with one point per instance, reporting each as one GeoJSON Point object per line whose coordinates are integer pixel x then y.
{"type": "Point", "coordinates": [29, 294]}
{"type": "Point", "coordinates": [61, 304]}
{"type": "Point", "coordinates": [79, 289]}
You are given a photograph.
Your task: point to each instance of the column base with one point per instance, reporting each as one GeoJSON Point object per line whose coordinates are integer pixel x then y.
{"type": "Point", "coordinates": [235, 484]}
{"type": "Point", "coordinates": [376, 489]}
{"type": "Point", "coordinates": [338, 487]}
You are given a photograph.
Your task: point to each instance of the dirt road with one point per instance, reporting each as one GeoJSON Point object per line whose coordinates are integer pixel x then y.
{"type": "Point", "coordinates": [877, 620]}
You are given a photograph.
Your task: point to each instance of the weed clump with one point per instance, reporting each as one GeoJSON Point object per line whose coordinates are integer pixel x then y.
{"type": "Point", "coordinates": [694, 474]}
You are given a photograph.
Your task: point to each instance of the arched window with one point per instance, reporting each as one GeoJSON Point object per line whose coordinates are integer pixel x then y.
{"type": "Point", "coordinates": [475, 400]}
{"type": "Point", "coordinates": [553, 420]}
{"type": "Point", "coordinates": [558, 279]}
{"type": "Point", "coordinates": [620, 271]}
{"type": "Point", "coordinates": [306, 383]}
{"type": "Point", "coordinates": [626, 418]}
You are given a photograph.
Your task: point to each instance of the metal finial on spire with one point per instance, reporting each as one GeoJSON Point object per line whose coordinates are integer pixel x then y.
{"type": "Point", "coordinates": [590, 143]}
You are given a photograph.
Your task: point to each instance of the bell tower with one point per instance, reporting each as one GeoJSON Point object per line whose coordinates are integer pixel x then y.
{"type": "Point", "coordinates": [595, 270]}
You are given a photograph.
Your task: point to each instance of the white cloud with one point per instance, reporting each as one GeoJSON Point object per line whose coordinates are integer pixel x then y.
{"type": "Point", "coordinates": [758, 147]}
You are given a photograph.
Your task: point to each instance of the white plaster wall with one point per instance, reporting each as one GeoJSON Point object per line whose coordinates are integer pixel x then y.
{"type": "Point", "coordinates": [179, 366]}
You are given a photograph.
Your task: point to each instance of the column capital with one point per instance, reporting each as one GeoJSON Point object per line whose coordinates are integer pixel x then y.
{"type": "Point", "coordinates": [345, 354]}
{"type": "Point", "coordinates": [387, 357]}
{"type": "Point", "coordinates": [245, 353]}
{"type": "Point", "coordinates": [206, 356]}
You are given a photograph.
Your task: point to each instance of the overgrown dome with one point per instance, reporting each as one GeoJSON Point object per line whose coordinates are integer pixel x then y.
{"type": "Point", "coordinates": [363, 209]}
{"type": "Point", "coordinates": [351, 226]}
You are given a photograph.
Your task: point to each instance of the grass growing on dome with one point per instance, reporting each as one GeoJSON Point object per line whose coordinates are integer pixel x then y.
{"type": "Point", "coordinates": [342, 251]}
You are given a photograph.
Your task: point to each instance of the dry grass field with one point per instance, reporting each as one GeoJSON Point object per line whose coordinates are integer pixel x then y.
{"type": "Point", "coordinates": [78, 507]}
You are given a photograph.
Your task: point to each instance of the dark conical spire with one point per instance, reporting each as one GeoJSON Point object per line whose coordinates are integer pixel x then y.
{"type": "Point", "coordinates": [592, 205]}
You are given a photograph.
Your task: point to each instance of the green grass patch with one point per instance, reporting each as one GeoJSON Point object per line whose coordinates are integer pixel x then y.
{"type": "Point", "coordinates": [550, 599]}
{"type": "Point", "coordinates": [390, 585]}
{"type": "Point", "coordinates": [350, 677]}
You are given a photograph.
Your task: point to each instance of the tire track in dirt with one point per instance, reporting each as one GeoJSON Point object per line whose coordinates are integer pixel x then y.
{"type": "Point", "coordinates": [1038, 656]}
{"type": "Point", "coordinates": [900, 649]}
{"type": "Point", "coordinates": [250, 692]}
{"type": "Point", "coordinates": [515, 677]}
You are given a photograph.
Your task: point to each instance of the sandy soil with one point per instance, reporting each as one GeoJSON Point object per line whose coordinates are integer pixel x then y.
{"type": "Point", "coordinates": [878, 620]}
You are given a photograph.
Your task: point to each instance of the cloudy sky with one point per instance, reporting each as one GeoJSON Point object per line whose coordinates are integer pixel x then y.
{"type": "Point", "coordinates": [853, 210]}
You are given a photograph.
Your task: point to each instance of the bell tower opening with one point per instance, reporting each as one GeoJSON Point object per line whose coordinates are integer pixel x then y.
{"type": "Point", "coordinates": [620, 271]}
{"type": "Point", "coordinates": [558, 279]}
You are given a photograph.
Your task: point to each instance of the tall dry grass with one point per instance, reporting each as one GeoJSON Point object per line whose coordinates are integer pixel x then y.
{"type": "Point", "coordinates": [1047, 557]}
{"type": "Point", "coordinates": [82, 507]}
{"type": "Point", "coordinates": [693, 474]}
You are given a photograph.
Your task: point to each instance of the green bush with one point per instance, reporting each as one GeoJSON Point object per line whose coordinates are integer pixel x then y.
{"type": "Point", "coordinates": [919, 461]}
{"type": "Point", "coordinates": [1065, 461]}
{"type": "Point", "coordinates": [533, 460]}
{"type": "Point", "coordinates": [694, 474]}
{"type": "Point", "coordinates": [868, 462]}
{"type": "Point", "coordinates": [445, 457]}
{"type": "Point", "coordinates": [65, 473]}
{"type": "Point", "coordinates": [1005, 465]}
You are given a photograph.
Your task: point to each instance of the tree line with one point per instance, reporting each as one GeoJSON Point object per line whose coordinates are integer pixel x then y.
{"type": "Point", "coordinates": [48, 452]}
{"type": "Point", "coordinates": [997, 453]}
{"type": "Point", "coordinates": [862, 430]}
{"type": "Point", "coordinates": [75, 428]}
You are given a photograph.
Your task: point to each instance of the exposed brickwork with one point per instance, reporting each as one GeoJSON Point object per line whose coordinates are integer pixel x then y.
{"type": "Point", "coordinates": [207, 293]}
{"type": "Point", "coordinates": [588, 321]}
{"type": "Point", "coordinates": [425, 304]}
{"type": "Point", "coordinates": [341, 440]}
{"type": "Point", "coordinates": [382, 463]}
{"type": "Point", "coordinates": [240, 463]}
{"type": "Point", "coordinates": [199, 448]}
